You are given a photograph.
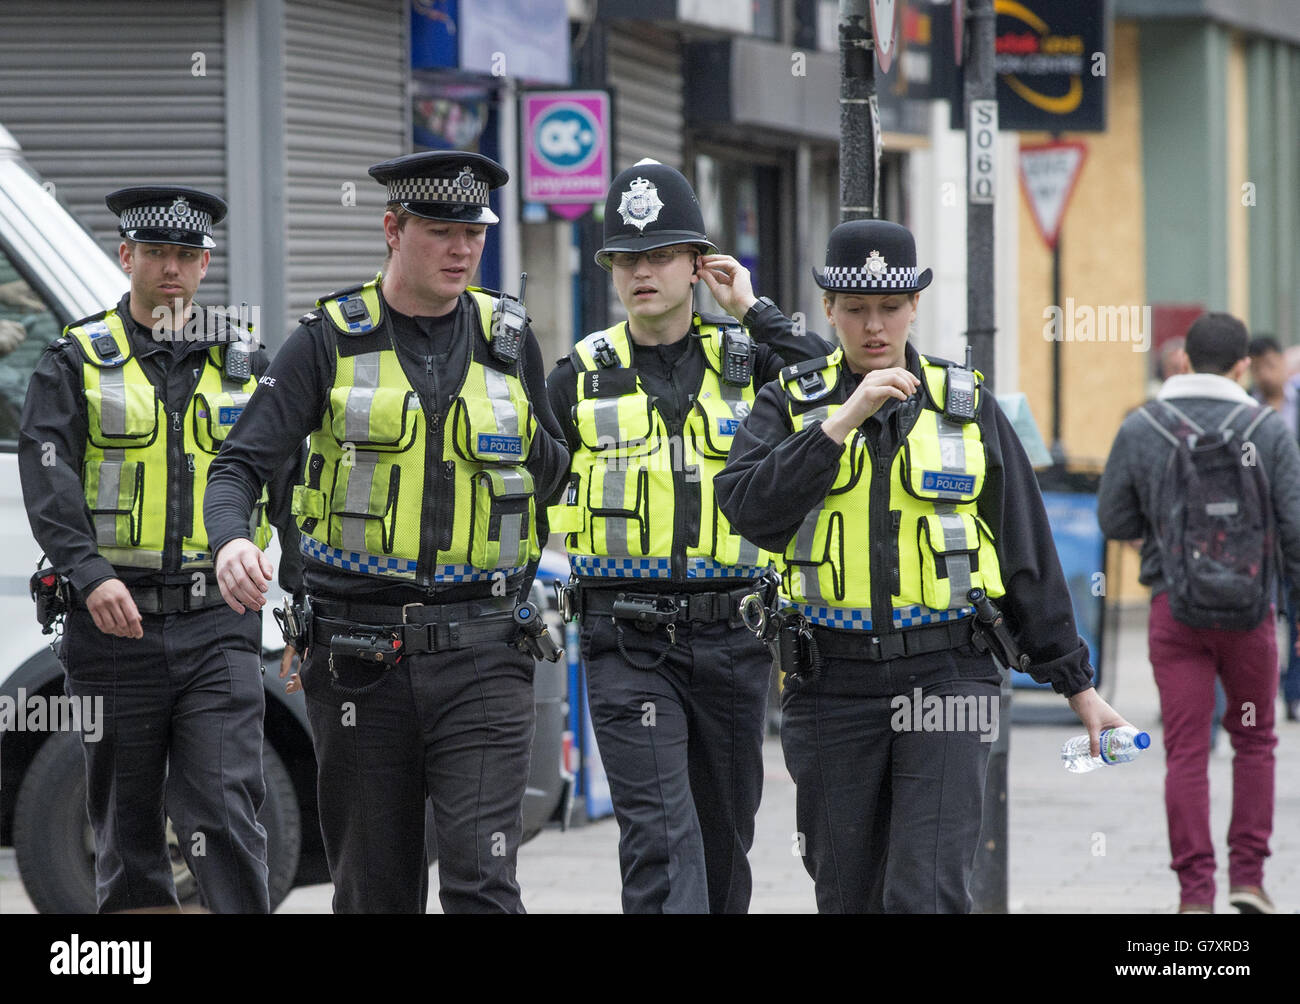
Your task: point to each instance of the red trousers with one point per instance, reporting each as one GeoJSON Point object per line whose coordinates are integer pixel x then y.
{"type": "Point", "coordinates": [1186, 660]}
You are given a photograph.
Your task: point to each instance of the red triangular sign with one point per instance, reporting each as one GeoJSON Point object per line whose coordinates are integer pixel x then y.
{"type": "Point", "coordinates": [1047, 175]}
{"type": "Point", "coordinates": [883, 16]}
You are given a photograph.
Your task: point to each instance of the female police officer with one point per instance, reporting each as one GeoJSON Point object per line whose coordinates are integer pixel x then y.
{"type": "Point", "coordinates": [890, 495]}
{"type": "Point", "coordinates": [431, 440]}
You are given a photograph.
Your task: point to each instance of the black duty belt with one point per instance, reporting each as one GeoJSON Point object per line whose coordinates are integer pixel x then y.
{"type": "Point", "coordinates": [423, 627]}
{"type": "Point", "coordinates": [664, 608]}
{"type": "Point", "coordinates": [896, 644]}
{"type": "Point", "coordinates": [173, 599]}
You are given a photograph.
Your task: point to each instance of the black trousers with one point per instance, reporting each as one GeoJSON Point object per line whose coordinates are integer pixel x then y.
{"type": "Point", "coordinates": [682, 745]}
{"type": "Point", "coordinates": [182, 712]}
{"type": "Point", "coordinates": [456, 726]}
{"type": "Point", "coordinates": [888, 760]}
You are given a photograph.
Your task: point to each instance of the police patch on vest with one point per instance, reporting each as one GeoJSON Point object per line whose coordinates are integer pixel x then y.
{"type": "Point", "coordinates": [510, 446]}
{"type": "Point", "coordinates": [939, 481]}
{"type": "Point", "coordinates": [609, 383]}
{"type": "Point", "coordinates": [229, 416]}
{"type": "Point", "coordinates": [728, 426]}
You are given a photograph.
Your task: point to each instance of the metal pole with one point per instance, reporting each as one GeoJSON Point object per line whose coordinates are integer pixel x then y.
{"type": "Point", "coordinates": [859, 116]}
{"type": "Point", "coordinates": [1058, 448]}
{"type": "Point", "coordinates": [592, 313]}
{"type": "Point", "coordinates": [989, 881]}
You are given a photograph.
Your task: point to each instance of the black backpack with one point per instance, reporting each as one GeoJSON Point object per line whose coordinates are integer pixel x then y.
{"type": "Point", "coordinates": [1213, 518]}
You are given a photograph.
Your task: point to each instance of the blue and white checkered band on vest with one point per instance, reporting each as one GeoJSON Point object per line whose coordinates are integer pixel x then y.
{"type": "Point", "coordinates": [464, 188]}
{"type": "Point", "coordinates": [175, 215]}
{"type": "Point", "coordinates": [861, 279]}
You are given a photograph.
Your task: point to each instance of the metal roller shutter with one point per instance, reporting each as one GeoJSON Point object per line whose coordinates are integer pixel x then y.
{"type": "Point", "coordinates": [644, 67]}
{"type": "Point", "coordinates": [107, 95]}
{"type": "Point", "coordinates": [346, 71]}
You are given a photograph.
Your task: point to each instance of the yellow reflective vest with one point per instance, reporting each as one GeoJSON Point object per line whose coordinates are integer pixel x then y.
{"type": "Point", "coordinates": [145, 470]}
{"type": "Point", "coordinates": [378, 453]}
{"type": "Point", "coordinates": [625, 511]}
{"type": "Point", "coordinates": [901, 534]}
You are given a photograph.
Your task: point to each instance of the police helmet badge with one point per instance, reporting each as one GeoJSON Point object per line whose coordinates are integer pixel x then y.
{"type": "Point", "coordinates": [876, 265]}
{"type": "Point", "coordinates": [180, 208]}
{"type": "Point", "coordinates": [640, 204]}
{"type": "Point", "coordinates": [466, 177]}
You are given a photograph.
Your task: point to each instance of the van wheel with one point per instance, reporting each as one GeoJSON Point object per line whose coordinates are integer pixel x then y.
{"type": "Point", "coordinates": [54, 845]}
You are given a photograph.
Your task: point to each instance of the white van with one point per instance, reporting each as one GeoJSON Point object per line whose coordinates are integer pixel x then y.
{"type": "Point", "coordinates": [52, 272]}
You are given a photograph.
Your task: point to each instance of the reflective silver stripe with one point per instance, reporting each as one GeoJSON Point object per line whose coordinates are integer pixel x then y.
{"type": "Point", "coordinates": [952, 445]}
{"type": "Point", "coordinates": [112, 402]}
{"type": "Point", "coordinates": [613, 496]}
{"type": "Point", "coordinates": [803, 551]}
{"type": "Point", "coordinates": [730, 392]}
{"type": "Point", "coordinates": [131, 557]}
{"type": "Point", "coordinates": [108, 497]}
{"type": "Point", "coordinates": [818, 414]}
{"type": "Point", "coordinates": [605, 412]}
{"type": "Point", "coordinates": [361, 398]}
{"type": "Point", "coordinates": [503, 409]}
{"type": "Point", "coordinates": [954, 538]}
{"type": "Point", "coordinates": [748, 553]}
{"type": "Point", "coordinates": [510, 530]}
{"type": "Point", "coordinates": [360, 480]}
{"type": "Point", "coordinates": [515, 482]}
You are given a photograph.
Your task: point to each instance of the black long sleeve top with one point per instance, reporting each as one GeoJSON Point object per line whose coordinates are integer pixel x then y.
{"type": "Point", "coordinates": [293, 400]}
{"type": "Point", "coordinates": [775, 476]}
{"type": "Point", "coordinates": [55, 413]}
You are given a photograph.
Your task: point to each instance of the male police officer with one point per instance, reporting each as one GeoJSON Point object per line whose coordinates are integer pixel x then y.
{"type": "Point", "coordinates": [123, 417]}
{"type": "Point", "coordinates": [677, 685]}
{"type": "Point", "coordinates": [430, 439]}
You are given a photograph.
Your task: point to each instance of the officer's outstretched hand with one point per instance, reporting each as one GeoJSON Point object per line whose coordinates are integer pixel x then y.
{"type": "Point", "coordinates": [244, 574]}
{"type": "Point", "coordinates": [729, 282]}
{"type": "Point", "coordinates": [876, 387]}
{"type": "Point", "coordinates": [113, 609]}
{"type": "Point", "coordinates": [1096, 714]}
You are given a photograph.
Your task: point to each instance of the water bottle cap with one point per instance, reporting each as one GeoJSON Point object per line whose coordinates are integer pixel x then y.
{"type": "Point", "coordinates": [1142, 740]}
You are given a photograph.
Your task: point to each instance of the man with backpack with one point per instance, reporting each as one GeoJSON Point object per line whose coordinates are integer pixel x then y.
{"type": "Point", "coordinates": [1210, 481]}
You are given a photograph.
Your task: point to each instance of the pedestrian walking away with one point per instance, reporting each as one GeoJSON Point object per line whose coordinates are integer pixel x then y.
{"type": "Point", "coordinates": [431, 441]}
{"type": "Point", "coordinates": [677, 686]}
{"type": "Point", "coordinates": [891, 487]}
{"type": "Point", "coordinates": [123, 418]}
{"type": "Point", "coordinates": [1210, 481]}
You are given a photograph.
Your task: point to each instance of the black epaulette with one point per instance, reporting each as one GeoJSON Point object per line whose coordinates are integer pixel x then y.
{"type": "Point", "coordinates": [87, 320]}
{"type": "Point", "coordinates": [719, 320]}
{"type": "Point", "coordinates": [344, 292]}
{"type": "Point", "coordinates": [308, 317]}
{"type": "Point", "coordinates": [807, 375]}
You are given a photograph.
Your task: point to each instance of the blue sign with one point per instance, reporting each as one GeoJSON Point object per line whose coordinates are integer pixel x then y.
{"type": "Point", "coordinates": [728, 426]}
{"type": "Point", "coordinates": [229, 416]}
{"type": "Point", "coordinates": [938, 481]}
{"type": "Point", "coordinates": [509, 445]}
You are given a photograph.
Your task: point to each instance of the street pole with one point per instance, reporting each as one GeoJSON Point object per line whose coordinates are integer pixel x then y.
{"type": "Point", "coordinates": [989, 881]}
{"type": "Point", "coordinates": [859, 116]}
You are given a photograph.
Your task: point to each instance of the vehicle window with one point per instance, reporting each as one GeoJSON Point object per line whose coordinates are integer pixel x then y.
{"type": "Point", "coordinates": [27, 325]}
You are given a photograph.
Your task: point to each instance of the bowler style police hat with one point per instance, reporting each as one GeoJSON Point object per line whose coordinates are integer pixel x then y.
{"type": "Point", "coordinates": [871, 256]}
{"type": "Point", "coordinates": [166, 214]}
{"type": "Point", "coordinates": [650, 205]}
{"type": "Point", "coordinates": [443, 184]}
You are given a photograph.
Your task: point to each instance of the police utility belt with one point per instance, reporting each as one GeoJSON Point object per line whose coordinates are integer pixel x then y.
{"type": "Point", "coordinates": [650, 609]}
{"type": "Point", "coordinates": [171, 599]}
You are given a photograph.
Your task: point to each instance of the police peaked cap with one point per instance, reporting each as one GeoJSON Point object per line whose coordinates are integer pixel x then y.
{"type": "Point", "coordinates": [871, 256]}
{"type": "Point", "coordinates": [650, 205]}
{"type": "Point", "coordinates": [166, 214]}
{"type": "Point", "coordinates": [443, 184]}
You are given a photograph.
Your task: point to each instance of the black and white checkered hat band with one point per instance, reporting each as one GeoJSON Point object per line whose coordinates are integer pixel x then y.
{"type": "Point", "coordinates": [857, 277]}
{"type": "Point", "coordinates": [437, 190]}
{"type": "Point", "coordinates": [163, 218]}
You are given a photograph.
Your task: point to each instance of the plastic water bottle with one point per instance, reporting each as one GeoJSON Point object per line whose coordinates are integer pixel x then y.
{"type": "Point", "coordinates": [1117, 746]}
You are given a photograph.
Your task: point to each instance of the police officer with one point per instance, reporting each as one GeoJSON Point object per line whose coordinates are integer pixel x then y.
{"type": "Point", "coordinates": [891, 485]}
{"type": "Point", "coordinates": [431, 440]}
{"type": "Point", "coordinates": [677, 686]}
{"type": "Point", "coordinates": [123, 417]}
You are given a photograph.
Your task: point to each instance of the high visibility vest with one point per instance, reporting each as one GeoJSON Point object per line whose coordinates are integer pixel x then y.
{"type": "Point", "coordinates": [145, 470]}
{"type": "Point", "coordinates": [624, 511]}
{"type": "Point", "coordinates": [363, 506]}
{"type": "Point", "coordinates": [920, 547]}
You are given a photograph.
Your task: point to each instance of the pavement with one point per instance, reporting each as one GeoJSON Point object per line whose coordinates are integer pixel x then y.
{"type": "Point", "coordinates": [1089, 843]}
